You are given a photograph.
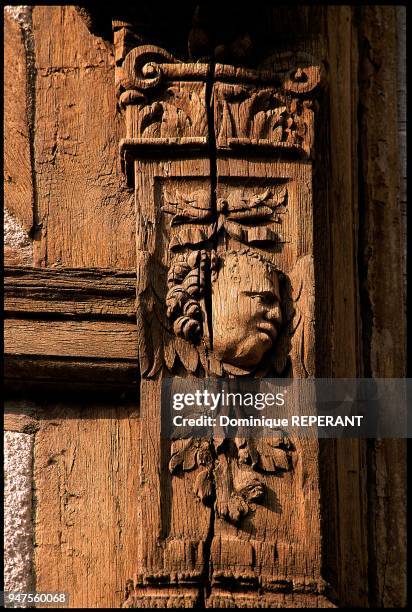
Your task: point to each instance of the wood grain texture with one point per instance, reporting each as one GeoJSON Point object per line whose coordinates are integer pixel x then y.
{"type": "Point", "coordinates": [281, 539]}
{"type": "Point", "coordinates": [83, 339]}
{"type": "Point", "coordinates": [33, 373]}
{"type": "Point", "coordinates": [85, 211]}
{"type": "Point", "coordinates": [383, 267]}
{"type": "Point", "coordinates": [76, 293]}
{"type": "Point", "coordinates": [350, 455]}
{"type": "Point", "coordinates": [18, 184]}
{"type": "Point", "coordinates": [70, 325]}
{"type": "Point", "coordinates": [19, 422]}
{"type": "Point", "coordinates": [86, 483]}
{"type": "Point", "coordinates": [382, 232]}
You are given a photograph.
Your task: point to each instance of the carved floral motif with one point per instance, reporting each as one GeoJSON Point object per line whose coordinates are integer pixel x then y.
{"type": "Point", "coordinates": [228, 471]}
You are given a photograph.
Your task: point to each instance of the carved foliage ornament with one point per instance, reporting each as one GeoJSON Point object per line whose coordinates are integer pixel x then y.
{"type": "Point", "coordinates": [228, 474]}
{"type": "Point", "coordinates": [166, 102]}
{"type": "Point", "coordinates": [248, 218]}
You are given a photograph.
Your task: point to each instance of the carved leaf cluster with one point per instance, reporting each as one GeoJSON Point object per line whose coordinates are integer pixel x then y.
{"type": "Point", "coordinates": [263, 116]}
{"type": "Point", "coordinates": [228, 470]}
{"type": "Point", "coordinates": [194, 453]}
{"type": "Point", "coordinates": [186, 282]}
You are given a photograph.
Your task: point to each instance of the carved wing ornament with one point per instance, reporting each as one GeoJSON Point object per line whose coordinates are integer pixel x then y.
{"type": "Point", "coordinates": [252, 220]}
{"type": "Point", "coordinates": [242, 217]}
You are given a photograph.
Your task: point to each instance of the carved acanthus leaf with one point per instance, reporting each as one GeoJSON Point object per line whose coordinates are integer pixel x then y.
{"type": "Point", "coordinates": [235, 494]}
{"type": "Point", "coordinates": [190, 453]}
{"type": "Point", "coordinates": [204, 487]}
{"type": "Point", "coordinates": [272, 458]}
{"type": "Point", "coordinates": [265, 117]}
{"type": "Point", "coordinates": [251, 219]}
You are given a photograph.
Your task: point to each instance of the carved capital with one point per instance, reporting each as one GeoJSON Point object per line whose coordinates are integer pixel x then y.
{"type": "Point", "coordinates": [168, 103]}
{"type": "Point", "coordinates": [164, 101]}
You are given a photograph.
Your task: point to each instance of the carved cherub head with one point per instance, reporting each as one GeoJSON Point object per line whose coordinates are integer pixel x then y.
{"type": "Point", "coordinates": [246, 313]}
{"type": "Point", "coordinates": [246, 308]}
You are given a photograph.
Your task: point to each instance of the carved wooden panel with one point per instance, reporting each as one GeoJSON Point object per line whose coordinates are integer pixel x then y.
{"type": "Point", "coordinates": [220, 159]}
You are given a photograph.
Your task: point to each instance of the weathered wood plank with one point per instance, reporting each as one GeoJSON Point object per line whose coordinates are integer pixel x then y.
{"type": "Point", "coordinates": [85, 211]}
{"type": "Point", "coordinates": [382, 79]}
{"type": "Point", "coordinates": [342, 186]}
{"type": "Point", "coordinates": [18, 183]}
{"type": "Point", "coordinates": [65, 326]}
{"type": "Point", "coordinates": [18, 187]}
{"type": "Point", "coordinates": [70, 292]}
{"type": "Point", "coordinates": [32, 373]}
{"type": "Point", "coordinates": [86, 469]}
{"type": "Point", "coordinates": [81, 339]}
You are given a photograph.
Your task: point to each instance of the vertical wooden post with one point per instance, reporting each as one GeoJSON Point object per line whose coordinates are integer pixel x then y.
{"type": "Point", "coordinates": [220, 158]}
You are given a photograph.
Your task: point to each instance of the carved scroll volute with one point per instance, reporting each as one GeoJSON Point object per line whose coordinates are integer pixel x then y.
{"type": "Point", "coordinates": [164, 101]}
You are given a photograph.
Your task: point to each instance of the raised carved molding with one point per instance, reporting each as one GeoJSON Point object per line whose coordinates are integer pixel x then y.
{"type": "Point", "coordinates": [70, 328]}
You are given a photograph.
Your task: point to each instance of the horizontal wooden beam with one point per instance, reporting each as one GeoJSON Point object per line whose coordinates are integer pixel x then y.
{"type": "Point", "coordinates": [70, 326]}
{"type": "Point", "coordinates": [70, 292]}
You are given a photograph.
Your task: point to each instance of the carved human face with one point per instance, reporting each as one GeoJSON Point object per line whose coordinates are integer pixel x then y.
{"type": "Point", "coordinates": [246, 310]}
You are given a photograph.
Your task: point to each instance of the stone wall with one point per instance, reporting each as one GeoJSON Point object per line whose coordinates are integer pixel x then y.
{"type": "Point", "coordinates": [18, 509]}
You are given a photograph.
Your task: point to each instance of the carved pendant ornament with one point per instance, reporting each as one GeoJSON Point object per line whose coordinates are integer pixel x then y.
{"type": "Point", "coordinates": [220, 160]}
{"type": "Point", "coordinates": [228, 474]}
